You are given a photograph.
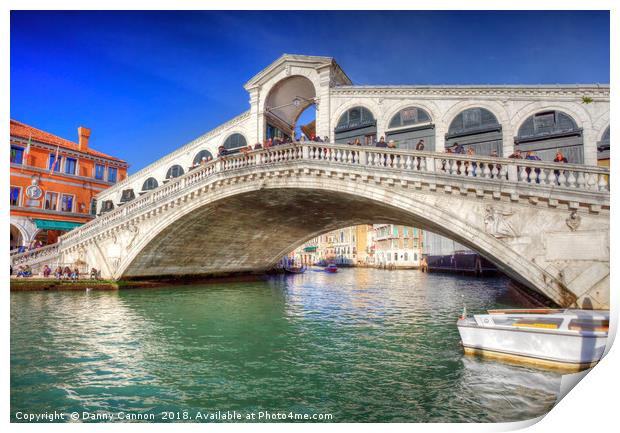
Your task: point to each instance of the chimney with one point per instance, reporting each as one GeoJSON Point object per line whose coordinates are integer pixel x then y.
{"type": "Point", "coordinates": [84, 135]}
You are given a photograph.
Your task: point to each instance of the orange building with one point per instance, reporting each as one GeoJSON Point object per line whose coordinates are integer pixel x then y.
{"type": "Point", "coordinates": [53, 182]}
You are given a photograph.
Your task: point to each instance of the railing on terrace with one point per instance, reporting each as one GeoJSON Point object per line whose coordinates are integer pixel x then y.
{"type": "Point", "coordinates": [565, 177]}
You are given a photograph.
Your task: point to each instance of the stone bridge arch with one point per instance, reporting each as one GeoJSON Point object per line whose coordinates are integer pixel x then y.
{"type": "Point", "coordinates": [249, 226]}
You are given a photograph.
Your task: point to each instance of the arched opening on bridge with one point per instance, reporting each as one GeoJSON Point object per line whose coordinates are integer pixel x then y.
{"type": "Point", "coordinates": [17, 239]}
{"type": "Point", "coordinates": [174, 171]}
{"type": "Point", "coordinates": [127, 195]}
{"type": "Point", "coordinates": [548, 132]}
{"type": "Point", "coordinates": [284, 105]}
{"type": "Point", "coordinates": [149, 184]}
{"type": "Point", "coordinates": [202, 157]}
{"type": "Point", "coordinates": [106, 206]}
{"type": "Point", "coordinates": [602, 148]}
{"type": "Point", "coordinates": [357, 123]}
{"type": "Point", "coordinates": [234, 143]}
{"type": "Point", "coordinates": [411, 126]}
{"type": "Point", "coordinates": [305, 124]}
{"type": "Point", "coordinates": [477, 128]}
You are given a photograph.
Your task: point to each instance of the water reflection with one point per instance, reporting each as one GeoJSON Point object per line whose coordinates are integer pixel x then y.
{"type": "Point", "coordinates": [362, 344]}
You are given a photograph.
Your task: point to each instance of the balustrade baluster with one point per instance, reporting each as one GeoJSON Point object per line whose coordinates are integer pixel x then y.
{"type": "Point", "coordinates": [561, 178]}
{"type": "Point", "coordinates": [602, 183]}
{"type": "Point", "coordinates": [592, 181]}
{"type": "Point", "coordinates": [469, 167]}
{"type": "Point", "coordinates": [523, 175]}
{"type": "Point", "coordinates": [486, 170]}
{"type": "Point", "coordinates": [571, 179]}
{"type": "Point", "coordinates": [542, 176]}
{"type": "Point", "coordinates": [581, 180]}
{"type": "Point", "coordinates": [453, 166]}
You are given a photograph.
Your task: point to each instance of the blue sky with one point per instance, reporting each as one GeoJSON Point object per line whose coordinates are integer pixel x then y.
{"type": "Point", "coordinates": [148, 82]}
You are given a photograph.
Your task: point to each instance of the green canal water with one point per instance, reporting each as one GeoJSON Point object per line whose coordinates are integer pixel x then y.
{"type": "Point", "coordinates": [361, 345]}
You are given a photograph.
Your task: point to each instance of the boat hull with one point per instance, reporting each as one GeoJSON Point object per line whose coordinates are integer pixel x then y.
{"type": "Point", "coordinates": [535, 347]}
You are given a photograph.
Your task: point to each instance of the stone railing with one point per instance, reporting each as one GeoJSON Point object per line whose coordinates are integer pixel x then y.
{"type": "Point", "coordinates": [36, 255]}
{"type": "Point", "coordinates": [562, 177]}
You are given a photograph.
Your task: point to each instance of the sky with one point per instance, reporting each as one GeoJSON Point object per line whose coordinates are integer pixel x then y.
{"type": "Point", "coordinates": [148, 82]}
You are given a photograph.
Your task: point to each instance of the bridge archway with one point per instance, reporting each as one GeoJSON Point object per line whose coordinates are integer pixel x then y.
{"type": "Point", "coordinates": [204, 237]}
{"type": "Point", "coordinates": [285, 103]}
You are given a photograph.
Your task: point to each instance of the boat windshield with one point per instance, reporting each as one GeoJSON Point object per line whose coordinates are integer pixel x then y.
{"type": "Point", "coordinates": [589, 325]}
{"type": "Point", "coordinates": [529, 322]}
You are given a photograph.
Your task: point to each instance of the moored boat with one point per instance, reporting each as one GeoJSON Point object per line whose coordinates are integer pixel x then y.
{"type": "Point", "coordinates": [567, 339]}
{"type": "Point", "coordinates": [331, 268]}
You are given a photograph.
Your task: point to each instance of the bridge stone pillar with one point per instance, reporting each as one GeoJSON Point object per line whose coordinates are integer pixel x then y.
{"type": "Point", "coordinates": [589, 146]}
{"type": "Point", "coordinates": [323, 106]}
{"type": "Point", "coordinates": [508, 141]}
{"type": "Point", "coordinates": [255, 131]}
{"type": "Point", "coordinates": [440, 137]}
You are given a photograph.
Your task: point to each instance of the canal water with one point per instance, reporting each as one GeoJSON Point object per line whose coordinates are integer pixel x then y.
{"type": "Point", "coordinates": [360, 345]}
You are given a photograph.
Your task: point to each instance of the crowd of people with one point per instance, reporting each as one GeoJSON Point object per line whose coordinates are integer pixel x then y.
{"type": "Point", "coordinates": [60, 273]}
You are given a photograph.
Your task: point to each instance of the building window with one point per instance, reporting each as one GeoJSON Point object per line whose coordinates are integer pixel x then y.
{"type": "Point", "coordinates": [17, 155]}
{"type": "Point", "coordinates": [51, 200]}
{"type": "Point", "coordinates": [53, 160]}
{"type": "Point", "coordinates": [70, 164]}
{"type": "Point", "coordinates": [112, 172]}
{"type": "Point", "coordinates": [150, 183]}
{"type": "Point", "coordinates": [15, 194]}
{"type": "Point", "coordinates": [395, 257]}
{"type": "Point", "coordinates": [406, 256]}
{"type": "Point", "coordinates": [99, 169]}
{"type": "Point", "coordinates": [66, 203]}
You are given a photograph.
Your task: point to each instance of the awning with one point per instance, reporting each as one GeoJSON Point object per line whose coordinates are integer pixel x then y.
{"type": "Point", "coordinates": [310, 249]}
{"type": "Point", "coordinates": [56, 225]}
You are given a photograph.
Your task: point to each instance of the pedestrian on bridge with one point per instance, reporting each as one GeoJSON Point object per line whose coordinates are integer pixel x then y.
{"type": "Point", "coordinates": [381, 142]}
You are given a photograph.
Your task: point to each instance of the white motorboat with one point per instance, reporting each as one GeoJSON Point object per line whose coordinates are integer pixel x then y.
{"type": "Point", "coordinates": [567, 339]}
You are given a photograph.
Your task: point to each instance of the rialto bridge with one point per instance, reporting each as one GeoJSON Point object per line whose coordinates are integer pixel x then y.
{"type": "Point", "coordinates": [546, 225]}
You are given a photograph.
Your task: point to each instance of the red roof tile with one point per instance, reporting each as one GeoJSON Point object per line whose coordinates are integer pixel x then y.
{"type": "Point", "coordinates": [22, 130]}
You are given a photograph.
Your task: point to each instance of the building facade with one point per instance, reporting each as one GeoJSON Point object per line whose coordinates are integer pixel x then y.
{"type": "Point", "coordinates": [379, 245]}
{"type": "Point", "coordinates": [487, 118]}
{"type": "Point", "coordinates": [397, 246]}
{"type": "Point", "coordinates": [54, 182]}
